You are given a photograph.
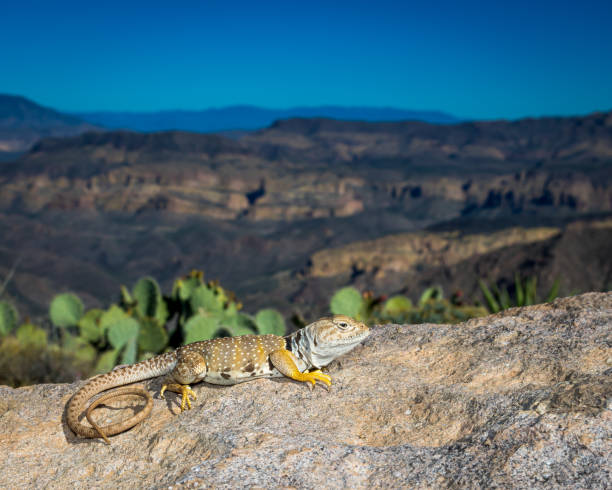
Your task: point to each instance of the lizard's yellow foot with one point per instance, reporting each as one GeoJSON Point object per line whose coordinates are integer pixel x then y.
{"type": "Point", "coordinates": [187, 391]}
{"type": "Point", "coordinates": [184, 390]}
{"type": "Point", "coordinates": [314, 376]}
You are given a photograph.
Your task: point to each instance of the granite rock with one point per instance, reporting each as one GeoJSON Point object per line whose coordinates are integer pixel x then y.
{"type": "Point", "coordinates": [518, 399]}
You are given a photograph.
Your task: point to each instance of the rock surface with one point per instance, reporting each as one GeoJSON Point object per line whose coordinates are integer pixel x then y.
{"type": "Point", "coordinates": [518, 399]}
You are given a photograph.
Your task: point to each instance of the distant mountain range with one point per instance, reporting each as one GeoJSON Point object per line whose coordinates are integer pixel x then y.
{"type": "Point", "coordinates": [23, 122]}
{"type": "Point", "coordinates": [245, 117]}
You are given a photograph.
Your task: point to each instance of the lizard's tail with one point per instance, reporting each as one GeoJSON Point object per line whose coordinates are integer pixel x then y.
{"type": "Point", "coordinates": [121, 376]}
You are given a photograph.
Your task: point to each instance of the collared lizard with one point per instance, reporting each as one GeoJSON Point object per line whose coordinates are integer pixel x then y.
{"type": "Point", "coordinates": [223, 361]}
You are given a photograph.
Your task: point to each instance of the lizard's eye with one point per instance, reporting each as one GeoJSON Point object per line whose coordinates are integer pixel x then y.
{"type": "Point", "coordinates": [342, 325]}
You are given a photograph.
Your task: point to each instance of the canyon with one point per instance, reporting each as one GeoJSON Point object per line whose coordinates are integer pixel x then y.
{"type": "Point", "coordinates": [263, 212]}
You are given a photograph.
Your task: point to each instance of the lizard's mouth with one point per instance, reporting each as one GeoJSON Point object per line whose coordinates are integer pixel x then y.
{"type": "Point", "coordinates": [352, 340]}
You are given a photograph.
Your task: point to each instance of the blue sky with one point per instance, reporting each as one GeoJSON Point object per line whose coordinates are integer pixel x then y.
{"type": "Point", "coordinates": [482, 59]}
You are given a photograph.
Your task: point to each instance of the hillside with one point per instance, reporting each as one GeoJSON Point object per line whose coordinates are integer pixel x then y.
{"type": "Point", "coordinates": [90, 212]}
{"type": "Point", "coordinates": [23, 122]}
{"type": "Point", "coordinates": [300, 169]}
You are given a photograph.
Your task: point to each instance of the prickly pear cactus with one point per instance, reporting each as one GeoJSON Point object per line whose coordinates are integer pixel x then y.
{"type": "Point", "coordinates": [110, 317]}
{"type": "Point", "coordinates": [107, 361]}
{"type": "Point", "coordinates": [203, 299]}
{"type": "Point", "coordinates": [149, 301]}
{"type": "Point", "coordinates": [135, 328]}
{"type": "Point", "coordinates": [434, 292]}
{"type": "Point", "coordinates": [126, 300]}
{"type": "Point", "coordinates": [183, 287]}
{"type": "Point", "coordinates": [347, 301]}
{"type": "Point", "coordinates": [124, 335]}
{"type": "Point", "coordinates": [152, 336]}
{"type": "Point", "coordinates": [122, 332]}
{"type": "Point", "coordinates": [66, 310]}
{"type": "Point", "coordinates": [89, 326]}
{"type": "Point", "coordinates": [397, 306]}
{"type": "Point", "coordinates": [270, 321]}
{"type": "Point", "coordinates": [82, 350]}
{"type": "Point", "coordinates": [236, 323]}
{"type": "Point", "coordinates": [200, 327]}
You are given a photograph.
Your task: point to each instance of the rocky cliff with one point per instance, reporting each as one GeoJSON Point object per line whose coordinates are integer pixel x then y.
{"type": "Point", "coordinates": [265, 213]}
{"type": "Point", "coordinates": [301, 169]}
{"type": "Point", "coordinates": [577, 255]}
{"type": "Point", "coordinates": [521, 399]}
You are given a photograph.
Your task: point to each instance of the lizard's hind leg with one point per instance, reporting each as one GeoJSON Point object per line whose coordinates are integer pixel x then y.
{"type": "Point", "coordinates": [190, 368]}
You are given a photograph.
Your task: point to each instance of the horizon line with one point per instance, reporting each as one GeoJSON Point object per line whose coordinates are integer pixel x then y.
{"type": "Point", "coordinates": [459, 119]}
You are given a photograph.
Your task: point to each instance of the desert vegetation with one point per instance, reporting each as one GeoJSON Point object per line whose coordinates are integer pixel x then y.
{"type": "Point", "coordinates": [75, 342]}
{"type": "Point", "coordinates": [143, 322]}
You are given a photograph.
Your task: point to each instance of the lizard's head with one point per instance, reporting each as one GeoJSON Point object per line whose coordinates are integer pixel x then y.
{"type": "Point", "coordinates": [331, 337]}
{"type": "Point", "coordinates": [340, 330]}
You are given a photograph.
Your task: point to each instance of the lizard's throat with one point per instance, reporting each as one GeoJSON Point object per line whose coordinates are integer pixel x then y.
{"type": "Point", "coordinates": [312, 353]}
{"type": "Point", "coordinates": [298, 345]}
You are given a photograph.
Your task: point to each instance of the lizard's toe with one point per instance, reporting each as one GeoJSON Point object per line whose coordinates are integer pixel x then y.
{"type": "Point", "coordinates": [321, 376]}
{"type": "Point", "coordinates": [187, 392]}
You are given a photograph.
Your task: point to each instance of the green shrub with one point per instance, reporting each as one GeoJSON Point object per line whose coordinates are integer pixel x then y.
{"type": "Point", "coordinates": [525, 294]}
{"type": "Point", "coordinates": [29, 334]}
{"type": "Point", "coordinates": [432, 307]}
{"type": "Point", "coordinates": [25, 361]}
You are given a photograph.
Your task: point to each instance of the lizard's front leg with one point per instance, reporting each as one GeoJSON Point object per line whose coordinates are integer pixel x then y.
{"type": "Point", "coordinates": [190, 368]}
{"type": "Point", "coordinates": [283, 361]}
